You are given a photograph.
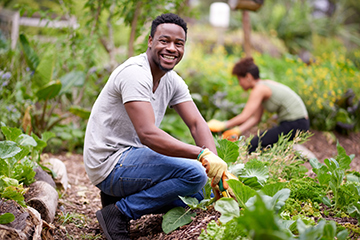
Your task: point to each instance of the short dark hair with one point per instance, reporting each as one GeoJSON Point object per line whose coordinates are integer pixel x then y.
{"type": "Point", "coordinates": [168, 18]}
{"type": "Point", "coordinates": [244, 66]}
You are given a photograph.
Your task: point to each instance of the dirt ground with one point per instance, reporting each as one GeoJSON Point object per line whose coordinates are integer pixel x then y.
{"type": "Point", "coordinates": [75, 216]}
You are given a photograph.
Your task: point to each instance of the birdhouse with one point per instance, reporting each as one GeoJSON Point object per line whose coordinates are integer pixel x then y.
{"type": "Point", "coordinates": [251, 5]}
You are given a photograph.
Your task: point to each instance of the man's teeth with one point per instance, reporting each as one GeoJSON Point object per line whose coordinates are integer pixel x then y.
{"type": "Point", "coordinates": [169, 57]}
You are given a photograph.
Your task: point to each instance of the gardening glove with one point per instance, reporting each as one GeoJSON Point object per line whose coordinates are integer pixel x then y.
{"type": "Point", "coordinates": [215, 166]}
{"type": "Point", "coordinates": [216, 125]}
{"type": "Point", "coordinates": [232, 134]}
{"type": "Point", "coordinates": [223, 189]}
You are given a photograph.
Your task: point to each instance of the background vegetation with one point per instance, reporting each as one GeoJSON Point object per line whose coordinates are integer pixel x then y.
{"type": "Point", "coordinates": [52, 78]}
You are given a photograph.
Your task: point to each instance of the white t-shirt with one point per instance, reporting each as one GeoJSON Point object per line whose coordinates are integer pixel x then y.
{"type": "Point", "coordinates": [109, 130]}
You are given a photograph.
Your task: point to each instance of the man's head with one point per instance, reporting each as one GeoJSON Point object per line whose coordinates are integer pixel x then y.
{"type": "Point", "coordinates": [166, 43]}
{"type": "Point", "coordinates": [168, 18]}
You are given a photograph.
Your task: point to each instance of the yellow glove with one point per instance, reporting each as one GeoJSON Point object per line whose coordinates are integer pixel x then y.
{"type": "Point", "coordinates": [215, 166]}
{"type": "Point", "coordinates": [216, 190]}
{"type": "Point", "coordinates": [232, 134]}
{"type": "Point", "coordinates": [216, 125]}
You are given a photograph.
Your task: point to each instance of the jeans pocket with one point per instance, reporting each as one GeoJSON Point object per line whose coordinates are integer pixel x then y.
{"type": "Point", "coordinates": [128, 186]}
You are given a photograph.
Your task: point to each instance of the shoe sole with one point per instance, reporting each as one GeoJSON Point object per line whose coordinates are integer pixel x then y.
{"type": "Point", "coordinates": [101, 221]}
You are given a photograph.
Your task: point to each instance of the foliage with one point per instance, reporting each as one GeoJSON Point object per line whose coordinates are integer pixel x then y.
{"type": "Point", "coordinates": [19, 155]}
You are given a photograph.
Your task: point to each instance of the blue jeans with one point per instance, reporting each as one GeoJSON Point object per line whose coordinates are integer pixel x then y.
{"type": "Point", "coordinates": [149, 182]}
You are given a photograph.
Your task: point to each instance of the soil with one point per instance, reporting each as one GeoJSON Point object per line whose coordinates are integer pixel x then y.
{"type": "Point", "coordinates": [75, 216]}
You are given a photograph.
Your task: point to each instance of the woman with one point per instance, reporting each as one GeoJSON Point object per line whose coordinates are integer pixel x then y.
{"type": "Point", "coordinates": [269, 95]}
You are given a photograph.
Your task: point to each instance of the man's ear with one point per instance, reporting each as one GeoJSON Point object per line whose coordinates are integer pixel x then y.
{"type": "Point", "coordinates": [150, 39]}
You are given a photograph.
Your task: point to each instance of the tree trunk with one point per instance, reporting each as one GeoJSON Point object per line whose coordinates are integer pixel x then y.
{"type": "Point", "coordinates": [133, 29]}
{"type": "Point", "coordinates": [247, 32]}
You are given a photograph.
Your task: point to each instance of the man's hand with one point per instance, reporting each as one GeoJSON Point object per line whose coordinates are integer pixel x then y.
{"type": "Point", "coordinates": [216, 125]}
{"type": "Point", "coordinates": [232, 134]}
{"type": "Point", "coordinates": [215, 166]}
{"type": "Point", "coordinates": [216, 190]}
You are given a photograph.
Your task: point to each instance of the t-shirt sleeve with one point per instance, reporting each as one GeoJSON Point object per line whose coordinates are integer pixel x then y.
{"type": "Point", "coordinates": [134, 84]}
{"type": "Point", "coordinates": [182, 93]}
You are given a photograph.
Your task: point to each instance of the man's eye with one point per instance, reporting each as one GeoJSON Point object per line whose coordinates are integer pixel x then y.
{"type": "Point", "coordinates": [162, 41]}
{"type": "Point", "coordinates": [180, 44]}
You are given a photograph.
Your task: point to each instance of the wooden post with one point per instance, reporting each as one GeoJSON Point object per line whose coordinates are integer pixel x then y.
{"type": "Point", "coordinates": [247, 31]}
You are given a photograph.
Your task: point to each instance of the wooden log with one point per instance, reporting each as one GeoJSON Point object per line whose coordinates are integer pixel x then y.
{"type": "Point", "coordinates": [59, 168]}
{"type": "Point", "coordinates": [44, 198]}
{"type": "Point", "coordinates": [27, 224]}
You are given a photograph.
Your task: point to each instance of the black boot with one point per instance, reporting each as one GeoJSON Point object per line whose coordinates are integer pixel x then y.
{"type": "Point", "coordinates": [107, 199]}
{"type": "Point", "coordinates": [113, 223]}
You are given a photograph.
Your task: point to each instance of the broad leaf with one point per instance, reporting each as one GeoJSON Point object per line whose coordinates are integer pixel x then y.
{"type": "Point", "coordinates": [175, 218]}
{"type": "Point", "coordinates": [72, 79]}
{"type": "Point", "coordinates": [255, 168]}
{"type": "Point", "coordinates": [44, 71]}
{"type": "Point", "coordinates": [343, 159]}
{"type": "Point", "coordinates": [227, 150]}
{"type": "Point", "coordinates": [10, 133]}
{"type": "Point", "coordinates": [26, 140]}
{"type": "Point", "coordinates": [228, 208]}
{"type": "Point", "coordinates": [80, 112]}
{"type": "Point", "coordinates": [242, 192]}
{"type": "Point", "coordinates": [31, 57]}
{"type": "Point", "coordinates": [272, 189]}
{"type": "Point", "coordinates": [8, 149]}
{"type": "Point", "coordinates": [50, 91]}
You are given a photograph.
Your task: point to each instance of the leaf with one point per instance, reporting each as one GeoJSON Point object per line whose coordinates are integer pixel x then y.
{"type": "Point", "coordinates": [71, 79]}
{"type": "Point", "coordinates": [26, 140]}
{"type": "Point", "coordinates": [44, 71]}
{"type": "Point", "coordinates": [255, 168]}
{"type": "Point", "coordinates": [190, 201]}
{"type": "Point", "coordinates": [236, 169]}
{"type": "Point", "coordinates": [251, 182]}
{"type": "Point", "coordinates": [50, 91]}
{"type": "Point", "coordinates": [6, 218]}
{"type": "Point", "coordinates": [228, 208]}
{"type": "Point", "coordinates": [31, 57]}
{"type": "Point", "coordinates": [8, 149]}
{"type": "Point", "coordinates": [242, 192]}
{"type": "Point", "coordinates": [227, 150]}
{"type": "Point", "coordinates": [175, 218]}
{"type": "Point", "coordinates": [343, 159]}
{"type": "Point", "coordinates": [11, 133]}
{"type": "Point", "coordinates": [315, 163]}
{"type": "Point", "coordinates": [80, 112]}
{"type": "Point", "coordinates": [272, 189]}
{"type": "Point", "coordinates": [278, 200]}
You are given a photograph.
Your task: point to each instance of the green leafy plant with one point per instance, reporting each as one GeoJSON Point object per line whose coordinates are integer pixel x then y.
{"type": "Point", "coordinates": [19, 155]}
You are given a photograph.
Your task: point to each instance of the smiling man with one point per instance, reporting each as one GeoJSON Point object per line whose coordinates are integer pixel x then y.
{"type": "Point", "coordinates": [139, 168]}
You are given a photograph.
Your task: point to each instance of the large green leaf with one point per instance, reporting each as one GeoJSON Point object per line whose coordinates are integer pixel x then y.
{"type": "Point", "coordinates": [51, 90]}
{"type": "Point", "coordinates": [242, 192]}
{"type": "Point", "coordinates": [30, 56]}
{"type": "Point", "coordinates": [8, 149]}
{"type": "Point", "coordinates": [80, 112]}
{"type": "Point", "coordinates": [44, 71]}
{"type": "Point", "coordinates": [10, 133]}
{"type": "Point", "coordinates": [72, 79]}
{"type": "Point", "coordinates": [175, 218]}
{"type": "Point", "coordinates": [255, 168]}
{"type": "Point", "coordinates": [227, 150]}
{"type": "Point", "coordinates": [228, 208]}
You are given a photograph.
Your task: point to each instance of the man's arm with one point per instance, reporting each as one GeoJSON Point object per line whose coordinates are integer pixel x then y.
{"type": "Point", "coordinates": [197, 124]}
{"type": "Point", "coordinates": [142, 116]}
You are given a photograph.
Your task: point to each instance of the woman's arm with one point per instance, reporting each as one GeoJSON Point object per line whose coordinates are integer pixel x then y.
{"type": "Point", "coordinates": [252, 108]}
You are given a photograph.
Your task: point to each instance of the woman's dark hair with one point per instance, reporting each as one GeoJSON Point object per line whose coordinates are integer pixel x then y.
{"type": "Point", "coordinates": [168, 18]}
{"type": "Point", "coordinates": [244, 66]}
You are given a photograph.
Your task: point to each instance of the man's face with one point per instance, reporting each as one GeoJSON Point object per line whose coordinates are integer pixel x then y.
{"type": "Point", "coordinates": [167, 46]}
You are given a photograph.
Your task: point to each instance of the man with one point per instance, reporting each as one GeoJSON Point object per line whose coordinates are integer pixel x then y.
{"type": "Point", "coordinates": [127, 156]}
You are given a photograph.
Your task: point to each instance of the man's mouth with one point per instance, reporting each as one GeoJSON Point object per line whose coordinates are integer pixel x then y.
{"type": "Point", "coordinates": [168, 57]}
